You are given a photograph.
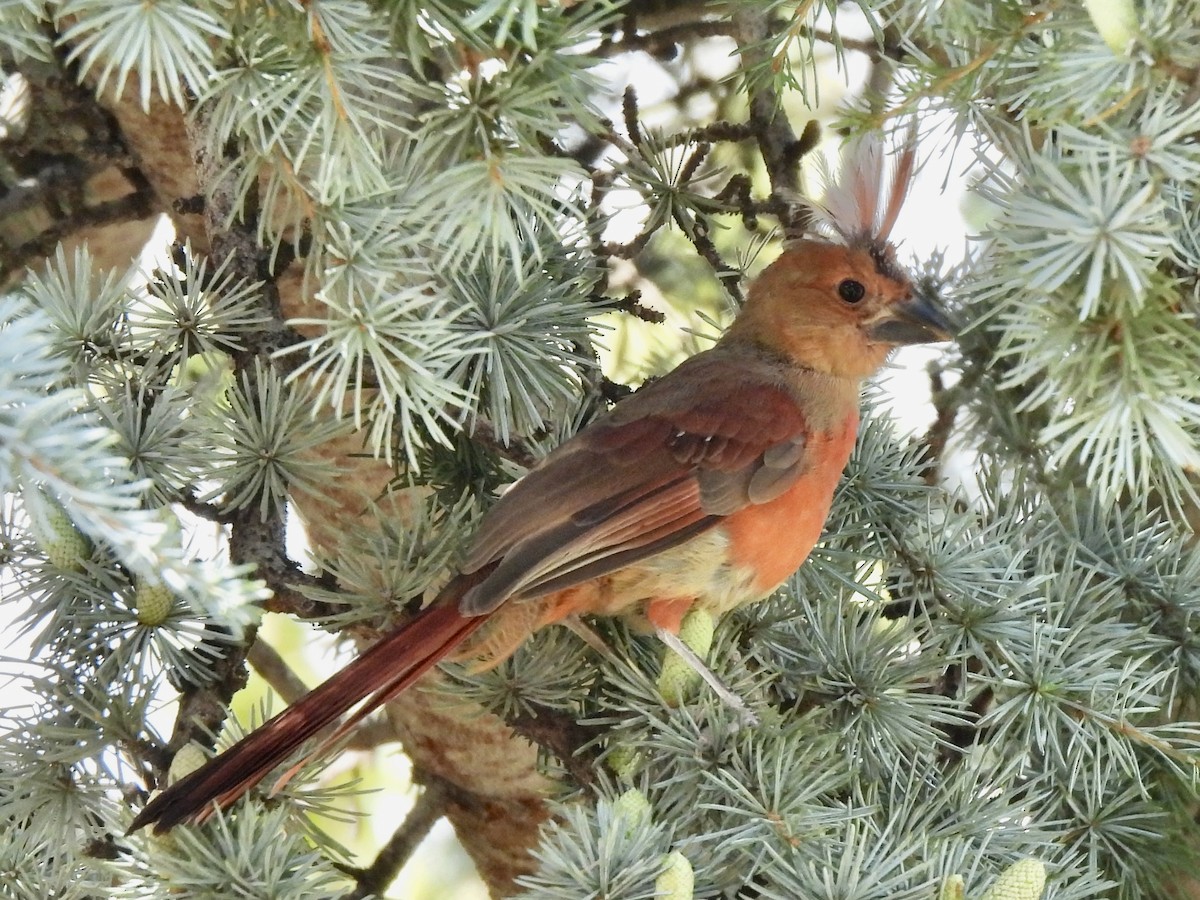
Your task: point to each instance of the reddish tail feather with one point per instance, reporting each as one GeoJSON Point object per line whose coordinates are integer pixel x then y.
{"type": "Point", "coordinates": [393, 664]}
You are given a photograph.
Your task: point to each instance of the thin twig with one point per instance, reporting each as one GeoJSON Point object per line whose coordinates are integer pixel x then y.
{"type": "Point", "coordinates": [613, 391]}
{"type": "Point", "coordinates": [631, 303]}
{"type": "Point", "coordinates": [737, 193]}
{"type": "Point", "coordinates": [728, 276]}
{"type": "Point", "coordinates": [776, 140]}
{"type": "Point", "coordinates": [374, 879]}
{"type": "Point", "coordinates": [371, 734]}
{"type": "Point", "coordinates": [945, 403]}
{"type": "Point", "coordinates": [276, 672]}
{"type": "Point", "coordinates": [515, 450]}
{"type": "Point", "coordinates": [870, 48]}
{"type": "Point", "coordinates": [717, 132]}
{"type": "Point", "coordinates": [629, 109]}
{"type": "Point", "coordinates": [630, 249]}
{"type": "Point", "coordinates": [664, 41]}
{"type": "Point", "coordinates": [209, 512]}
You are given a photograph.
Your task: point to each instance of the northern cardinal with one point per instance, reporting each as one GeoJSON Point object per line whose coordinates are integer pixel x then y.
{"type": "Point", "coordinates": [708, 486]}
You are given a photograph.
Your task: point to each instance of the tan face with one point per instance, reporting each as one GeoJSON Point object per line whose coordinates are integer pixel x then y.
{"type": "Point", "coordinates": [817, 303]}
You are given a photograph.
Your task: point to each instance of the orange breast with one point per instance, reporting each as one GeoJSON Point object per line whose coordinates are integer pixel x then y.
{"type": "Point", "coordinates": [774, 538]}
{"type": "Point", "coordinates": [747, 556]}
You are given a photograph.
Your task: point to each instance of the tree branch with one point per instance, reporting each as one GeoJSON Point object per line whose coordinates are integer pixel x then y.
{"type": "Point", "coordinates": [276, 672]}
{"type": "Point", "coordinates": [564, 737]}
{"type": "Point", "coordinates": [777, 142]}
{"type": "Point", "coordinates": [663, 43]}
{"type": "Point", "coordinates": [374, 879]}
{"type": "Point", "coordinates": [138, 205]}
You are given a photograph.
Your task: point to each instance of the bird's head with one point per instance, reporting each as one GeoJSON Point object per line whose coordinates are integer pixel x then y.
{"type": "Point", "coordinates": [841, 305]}
{"type": "Point", "coordinates": [837, 309]}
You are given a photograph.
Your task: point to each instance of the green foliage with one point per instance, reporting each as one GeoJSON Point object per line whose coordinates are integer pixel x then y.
{"type": "Point", "coordinates": [1087, 228]}
{"type": "Point", "coordinates": [167, 44]}
{"type": "Point", "coordinates": [250, 855]}
{"type": "Point", "coordinates": [56, 449]}
{"type": "Point", "coordinates": [22, 33]}
{"type": "Point", "coordinates": [610, 852]}
{"type": "Point", "coordinates": [378, 570]}
{"type": "Point", "coordinates": [548, 672]}
{"type": "Point", "coordinates": [266, 433]}
{"type": "Point", "coordinates": [193, 311]}
{"type": "Point", "coordinates": [528, 330]}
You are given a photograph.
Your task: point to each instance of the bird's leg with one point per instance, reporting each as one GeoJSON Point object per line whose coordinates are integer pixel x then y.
{"type": "Point", "coordinates": [728, 697]}
{"type": "Point", "coordinates": [589, 636]}
{"type": "Point", "coordinates": [506, 629]}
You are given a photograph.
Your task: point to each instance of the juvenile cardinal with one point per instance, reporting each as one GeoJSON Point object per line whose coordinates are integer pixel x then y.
{"type": "Point", "coordinates": [706, 488]}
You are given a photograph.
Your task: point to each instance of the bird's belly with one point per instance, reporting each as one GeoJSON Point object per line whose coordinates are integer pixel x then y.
{"type": "Point", "coordinates": [699, 571]}
{"type": "Point", "coordinates": [696, 571]}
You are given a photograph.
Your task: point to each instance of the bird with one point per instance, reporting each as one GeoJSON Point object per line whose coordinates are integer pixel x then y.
{"type": "Point", "coordinates": [704, 489]}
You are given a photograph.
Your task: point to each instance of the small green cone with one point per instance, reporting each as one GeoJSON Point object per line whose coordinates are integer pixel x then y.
{"type": "Point", "coordinates": [953, 888]}
{"type": "Point", "coordinates": [624, 762]}
{"type": "Point", "coordinates": [153, 601]}
{"type": "Point", "coordinates": [1116, 21]}
{"type": "Point", "coordinates": [1022, 880]}
{"type": "Point", "coordinates": [633, 807]}
{"type": "Point", "coordinates": [677, 678]}
{"type": "Point", "coordinates": [56, 535]}
{"type": "Point", "coordinates": [676, 881]}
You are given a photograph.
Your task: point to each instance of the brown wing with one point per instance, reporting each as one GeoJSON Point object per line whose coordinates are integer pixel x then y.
{"type": "Point", "coordinates": [718, 433]}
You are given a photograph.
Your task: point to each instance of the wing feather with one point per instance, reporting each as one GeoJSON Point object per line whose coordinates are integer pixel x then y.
{"type": "Point", "coordinates": [551, 553]}
{"type": "Point", "coordinates": [666, 464]}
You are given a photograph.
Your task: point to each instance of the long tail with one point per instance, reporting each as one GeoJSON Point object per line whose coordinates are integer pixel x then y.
{"type": "Point", "coordinates": [393, 664]}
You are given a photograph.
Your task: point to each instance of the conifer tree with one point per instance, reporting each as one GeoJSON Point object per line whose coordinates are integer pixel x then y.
{"type": "Point", "coordinates": [402, 270]}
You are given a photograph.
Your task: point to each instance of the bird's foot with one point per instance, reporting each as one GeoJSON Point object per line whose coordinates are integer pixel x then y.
{"type": "Point", "coordinates": [746, 716]}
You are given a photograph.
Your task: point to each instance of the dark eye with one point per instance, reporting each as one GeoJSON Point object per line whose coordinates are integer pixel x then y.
{"type": "Point", "coordinates": [851, 291]}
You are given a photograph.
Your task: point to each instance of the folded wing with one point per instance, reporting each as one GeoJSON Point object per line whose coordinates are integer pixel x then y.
{"type": "Point", "coordinates": [667, 464]}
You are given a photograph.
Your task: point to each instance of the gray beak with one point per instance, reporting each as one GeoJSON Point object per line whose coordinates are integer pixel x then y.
{"type": "Point", "coordinates": [914, 321]}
